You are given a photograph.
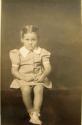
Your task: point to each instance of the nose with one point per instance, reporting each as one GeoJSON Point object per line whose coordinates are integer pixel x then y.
{"type": "Point", "coordinates": [30, 41]}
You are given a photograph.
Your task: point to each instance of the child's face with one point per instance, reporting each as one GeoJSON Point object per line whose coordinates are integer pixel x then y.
{"type": "Point", "coordinates": [30, 40]}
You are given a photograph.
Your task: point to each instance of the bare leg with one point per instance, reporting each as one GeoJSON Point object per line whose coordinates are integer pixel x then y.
{"type": "Point", "coordinates": [26, 96]}
{"type": "Point", "coordinates": [38, 97]}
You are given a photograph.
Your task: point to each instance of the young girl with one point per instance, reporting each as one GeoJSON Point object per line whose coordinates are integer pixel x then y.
{"type": "Point", "coordinates": [30, 68]}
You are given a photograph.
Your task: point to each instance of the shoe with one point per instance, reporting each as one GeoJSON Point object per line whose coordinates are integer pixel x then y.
{"type": "Point", "coordinates": [35, 119]}
{"type": "Point", "coordinates": [30, 114]}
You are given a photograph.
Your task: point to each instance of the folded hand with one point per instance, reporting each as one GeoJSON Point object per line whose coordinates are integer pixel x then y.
{"type": "Point", "coordinates": [39, 78]}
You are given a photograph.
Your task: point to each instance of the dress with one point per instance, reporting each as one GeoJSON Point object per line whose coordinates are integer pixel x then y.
{"type": "Point", "coordinates": [29, 63]}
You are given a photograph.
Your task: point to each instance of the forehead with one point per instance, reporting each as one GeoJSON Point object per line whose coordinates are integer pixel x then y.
{"type": "Point", "coordinates": [30, 35]}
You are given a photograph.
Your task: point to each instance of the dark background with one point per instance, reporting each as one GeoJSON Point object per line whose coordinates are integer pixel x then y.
{"type": "Point", "coordinates": [59, 22]}
{"type": "Point", "coordinates": [60, 33]}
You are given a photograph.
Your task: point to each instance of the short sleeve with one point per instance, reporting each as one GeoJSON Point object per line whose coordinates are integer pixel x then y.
{"type": "Point", "coordinates": [45, 56]}
{"type": "Point", "coordinates": [14, 57]}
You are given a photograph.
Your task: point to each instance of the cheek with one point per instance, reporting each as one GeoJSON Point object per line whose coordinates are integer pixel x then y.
{"type": "Point", "coordinates": [35, 43]}
{"type": "Point", "coordinates": [26, 43]}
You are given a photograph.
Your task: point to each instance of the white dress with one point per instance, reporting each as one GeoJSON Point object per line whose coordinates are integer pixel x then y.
{"type": "Point", "coordinates": [29, 63]}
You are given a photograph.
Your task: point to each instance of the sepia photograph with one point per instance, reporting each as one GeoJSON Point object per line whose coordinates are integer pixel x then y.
{"type": "Point", "coordinates": [41, 62]}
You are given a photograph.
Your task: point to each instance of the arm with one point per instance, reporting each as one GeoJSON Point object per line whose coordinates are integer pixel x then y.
{"type": "Point", "coordinates": [47, 71]}
{"type": "Point", "coordinates": [15, 72]}
{"type": "Point", "coordinates": [20, 76]}
{"type": "Point", "coordinates": [15, 61]}
{"type": "Point", "coordinates": [45, 55]}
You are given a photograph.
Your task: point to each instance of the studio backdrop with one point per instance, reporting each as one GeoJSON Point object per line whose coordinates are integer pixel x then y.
{"type": "Point", "coordinates": [59, 24]}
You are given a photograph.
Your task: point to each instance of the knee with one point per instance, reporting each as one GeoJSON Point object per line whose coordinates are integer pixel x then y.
{"type": "Point", "coordinates": [38, 89]}
{"type": "Point", "coordinates": [25, 90]}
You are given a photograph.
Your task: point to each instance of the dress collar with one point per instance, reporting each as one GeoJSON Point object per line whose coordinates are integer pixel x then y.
{"type": "Point", "coordinates": [24, 51]}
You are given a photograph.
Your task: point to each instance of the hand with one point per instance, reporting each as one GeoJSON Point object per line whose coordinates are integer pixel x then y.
{"type": "Point", "coordinates": [39, 78]}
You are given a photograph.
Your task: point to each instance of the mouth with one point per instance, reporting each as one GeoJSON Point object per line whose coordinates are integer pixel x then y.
{"type": "Point", "coordinates": [31, 47]}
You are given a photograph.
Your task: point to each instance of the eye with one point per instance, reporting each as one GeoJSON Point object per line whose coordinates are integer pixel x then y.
{"type": "Point", "coordinates": [33, 39]}
{"type": "Point", "coordinates": [27, 39]}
